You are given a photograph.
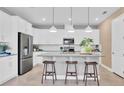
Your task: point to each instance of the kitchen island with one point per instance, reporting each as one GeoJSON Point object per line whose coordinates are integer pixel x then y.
{"type": "Point", "coordinates": [61, 57]}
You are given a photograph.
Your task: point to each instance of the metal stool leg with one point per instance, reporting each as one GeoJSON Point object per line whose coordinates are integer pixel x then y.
{"type": "Point", "coordinates": [86, 74]}
{"type": "Point", "coordinates": [45, 70]}
{"type": "Point", "coordinates": [43, 73]}
{"type": "Point", "coordinates": [94, 72]}
{"type": "Point", "coordinates": [97, 75]}
{"type": "Point", "coordinates": [66, 74]}
{"type": "Point", "coordinates": [76, 74]}
{"type": "Point", "coordinates": [55, 72]}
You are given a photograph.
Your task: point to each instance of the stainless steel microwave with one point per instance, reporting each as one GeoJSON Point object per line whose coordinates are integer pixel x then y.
{"type": "Point", "coordinates": [68, 41]}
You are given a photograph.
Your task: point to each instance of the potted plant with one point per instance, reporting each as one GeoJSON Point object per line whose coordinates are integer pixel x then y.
{"type": "Point", "coordinates": [86, 45]}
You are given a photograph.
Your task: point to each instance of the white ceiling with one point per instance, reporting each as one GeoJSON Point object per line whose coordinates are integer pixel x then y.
{"type": "Point", "coordinates": [62, 14]}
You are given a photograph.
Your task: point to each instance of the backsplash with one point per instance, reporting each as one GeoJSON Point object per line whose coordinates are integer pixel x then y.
{"type": "Point", "coordinates": [54, 47]}
{"type": "Point", "coordinates": [3, 46]}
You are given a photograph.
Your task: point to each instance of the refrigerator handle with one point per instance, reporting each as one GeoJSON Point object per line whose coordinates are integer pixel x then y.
{"type": "Point", "coordinates": [29, 44]}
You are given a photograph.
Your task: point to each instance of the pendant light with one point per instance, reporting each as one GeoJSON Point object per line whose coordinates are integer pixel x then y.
{"type": "Point", "coordinates": [70, 27]}
{"type": "Point", "coordinates": [88, 28]}
{"type": "Point", "coordinates": [53, 29]}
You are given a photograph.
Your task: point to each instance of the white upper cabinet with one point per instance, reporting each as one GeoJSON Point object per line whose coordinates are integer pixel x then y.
{"type": "Point", "coordinates": [9, 28]}
{"type": "Point", "coordinates": [46, 37]}
{"type": "Point", "coordinates": [24, 26]}
{"type": "Point", "coordinates": [29, 28]}
{"type": "Point", "coordinates": [5, 26]}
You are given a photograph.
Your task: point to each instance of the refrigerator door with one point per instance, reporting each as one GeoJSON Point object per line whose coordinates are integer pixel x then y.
{"type": "Point", "coordinates": [26, 46]}
{"type": "Point", "coordinates": [30, 46]}
{"type": "Point", "coordinates": [25, 53]}
{"type": "Point", "coordinates": [25, 65]}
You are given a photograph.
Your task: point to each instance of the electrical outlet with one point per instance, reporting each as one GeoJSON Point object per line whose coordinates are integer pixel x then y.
{"type": "Point", "coordinates": [123, 72]}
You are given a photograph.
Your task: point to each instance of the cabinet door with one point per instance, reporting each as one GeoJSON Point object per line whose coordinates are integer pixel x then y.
{"type": "Point", "coordinates": [21, 25]}
{"type": "Point", "coordinates": [8, 68]}
{"type": "Point", "coordinates": [1, 71]}
{"type": "Point", "coordinates": [5, 26]}
{"type": "Point", "coordinates": [36, 59]}
{"type": "Point", "coordinates": [13, 66]}
{"type": "Point", "coordinates": [4, 71]}
{"type": "Point", "coordinates": [29, 28]}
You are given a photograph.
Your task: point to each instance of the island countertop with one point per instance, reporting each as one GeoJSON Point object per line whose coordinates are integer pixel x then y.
{"type": "Point", "coordinates": [67, 54]}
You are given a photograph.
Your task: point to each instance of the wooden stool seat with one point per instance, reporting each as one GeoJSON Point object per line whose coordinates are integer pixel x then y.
{"type": "Point", "coordinates": [70, 73]}
{"type": "Point", "coordinates": [49, 73]}
{"type": "Point", "coordinates": [71, 62]}
{"type": "Point", "coordinates": [48, 62]}
{"type": "Point", "coordinates": [88, 74]}
{"type": "Point", "coordinates": [90, 63]}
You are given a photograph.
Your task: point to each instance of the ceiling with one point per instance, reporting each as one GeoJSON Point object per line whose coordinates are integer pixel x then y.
{"type": "Point", "coordinates": [44, 15]}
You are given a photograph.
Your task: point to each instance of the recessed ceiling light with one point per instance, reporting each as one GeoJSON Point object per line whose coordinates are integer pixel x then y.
{"type": "Point", "coordinates": [43, 19]}
{"type": "Point", "coordinates": [97, 19]}
{"type": "Point", "coordinates": [69, 19]}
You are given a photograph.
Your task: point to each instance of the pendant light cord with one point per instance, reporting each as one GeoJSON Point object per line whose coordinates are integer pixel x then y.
{"type": "Point", "coordinates": [71, 15]}
{"type": "Point", "coordinates": [88, 16]}
{"type": "Point", "coordinates": [53, 16]}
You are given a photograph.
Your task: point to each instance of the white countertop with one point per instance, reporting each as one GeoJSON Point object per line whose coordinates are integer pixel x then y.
{"type": "Point", "coordinates": [75, 54]}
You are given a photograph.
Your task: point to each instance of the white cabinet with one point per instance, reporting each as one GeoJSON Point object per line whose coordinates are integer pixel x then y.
{"type": "Point", "coordinates": [18, 25]}
{"type": "Point", "coordinates": [118, 45]}
{"type": "Point", "coordinates": [46, 37]}
{"type": "Point", "coordinates": [36, 59]}
{"type": "Point", "coordinates": [5, 27]}
{"type": "Point", "coordinates": [29, 28]}
{"type": "Point", "coordinates": [8, 68]}
{"type": "Point", "coordinates": [23, 26]}
{"type": "Point", "coordinates": [9, 28]}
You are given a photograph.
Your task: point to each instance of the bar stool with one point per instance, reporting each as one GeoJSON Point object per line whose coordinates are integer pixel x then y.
{"type": "Point", "coordinates": [49, 73]}
{"type": "Point", "coordinates": [88, 74]}
{"type": "Point", "coordinates": [68, 73]}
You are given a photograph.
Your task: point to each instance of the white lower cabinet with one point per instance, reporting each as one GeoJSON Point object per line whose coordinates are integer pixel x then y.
{"type": "Point", "coordinates": [36, 59]}
{"type": "Point", "coordinates": [8, 68]}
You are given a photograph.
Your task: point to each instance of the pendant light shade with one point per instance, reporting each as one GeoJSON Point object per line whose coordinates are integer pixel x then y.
{"type": "Point", "coordinates": [53, 29]}
{"type": "Point", "coordinates": [88, 28]}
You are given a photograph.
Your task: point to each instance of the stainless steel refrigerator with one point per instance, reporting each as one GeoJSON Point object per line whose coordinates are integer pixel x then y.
{"type": "Point", "coordinates": [25, 53]}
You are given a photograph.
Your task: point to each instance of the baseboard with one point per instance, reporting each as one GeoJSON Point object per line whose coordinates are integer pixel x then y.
{"type": "Point", "coordinates": [109, 69]}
